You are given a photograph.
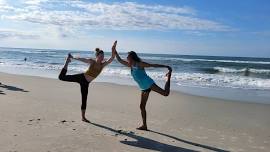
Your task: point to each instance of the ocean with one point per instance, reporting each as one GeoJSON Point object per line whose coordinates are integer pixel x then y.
{"type": "Point", "coordinates": [234, 78]}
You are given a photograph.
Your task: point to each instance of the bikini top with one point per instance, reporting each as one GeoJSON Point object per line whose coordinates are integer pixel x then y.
{"type": "Point", "coordinates": [94, 70]}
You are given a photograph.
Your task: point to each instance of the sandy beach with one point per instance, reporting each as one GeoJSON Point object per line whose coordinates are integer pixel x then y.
{"type": "Point", "coordinates": [42, 114]}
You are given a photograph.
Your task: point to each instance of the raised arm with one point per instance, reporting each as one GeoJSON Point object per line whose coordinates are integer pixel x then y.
{"type": "Point", "coordinates": [145, 65]}
{"type": "Point", "coordinates": [121, 60]}
{"type": "Point", "coordinates": [113, 54]}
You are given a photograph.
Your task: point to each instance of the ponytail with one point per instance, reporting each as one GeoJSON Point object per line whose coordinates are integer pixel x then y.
{"type": "Point", "coordinates": [98, 51]}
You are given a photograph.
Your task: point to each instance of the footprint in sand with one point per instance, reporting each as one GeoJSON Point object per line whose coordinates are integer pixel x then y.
{"type": "Point", "coordinates": [63, 121]}
{"type": "Point", "coordinates": [121, 132]}
{"type": "Point", "coordinates": [31, 120]}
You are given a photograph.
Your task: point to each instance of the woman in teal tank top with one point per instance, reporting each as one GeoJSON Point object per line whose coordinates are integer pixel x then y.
{"type": "Point", "coordinates": [145, 83]}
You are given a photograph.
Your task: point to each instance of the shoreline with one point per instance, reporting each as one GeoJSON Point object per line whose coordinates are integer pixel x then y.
{"type": "Point", "coordinates": [230, 94]}
{"type": "Point", "coordinates": [125, 85]}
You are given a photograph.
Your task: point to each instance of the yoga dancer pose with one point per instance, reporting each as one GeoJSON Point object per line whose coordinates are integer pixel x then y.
{"type": "Point", "coordinates": [144, 81]}
{"type": "Point", "coordinates": [95, 68]}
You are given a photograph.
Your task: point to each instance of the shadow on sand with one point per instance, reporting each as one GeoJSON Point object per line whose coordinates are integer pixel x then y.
{"type": "Point", "coordinates": [150, 144]}
{"type": "Point", "coordinates": [12, 88]}
{"type": "Point", "coordinates": [1, 92]}
{"type": "Point", "coordinates": [189, 142]}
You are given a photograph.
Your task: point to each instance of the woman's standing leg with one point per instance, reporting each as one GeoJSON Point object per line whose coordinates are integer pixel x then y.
{"type": "Point", "coordinates": [144, 98]}
{"type": "Point", "coordinates": [84, 93]}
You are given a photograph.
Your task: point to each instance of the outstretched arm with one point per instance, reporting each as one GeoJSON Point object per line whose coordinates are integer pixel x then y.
{"type": "Point", "coordinates": [145, 65]}
{"type": "Point", "coordinates": [121, 60]}
{"type": "Point", "coordinates": [113, 54]}
{"type": "Point", "coordinates": [90, 61]}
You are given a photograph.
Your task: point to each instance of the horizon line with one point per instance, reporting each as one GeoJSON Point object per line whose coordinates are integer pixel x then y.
{"type": "Point", "coordinates": [138, 52]}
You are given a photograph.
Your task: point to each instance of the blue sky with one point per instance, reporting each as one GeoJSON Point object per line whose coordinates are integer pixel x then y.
{"type": "Point", "coordinates": [208, 27]}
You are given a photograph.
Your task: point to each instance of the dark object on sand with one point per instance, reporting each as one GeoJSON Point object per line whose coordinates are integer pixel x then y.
{"type": "Point", "coordinates": [247, 72]}
{"type": "Point", "coordinates": [63, 121]}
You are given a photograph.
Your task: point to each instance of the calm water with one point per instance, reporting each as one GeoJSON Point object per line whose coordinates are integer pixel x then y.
{"type": "Point", "coordinates": [208, 72]}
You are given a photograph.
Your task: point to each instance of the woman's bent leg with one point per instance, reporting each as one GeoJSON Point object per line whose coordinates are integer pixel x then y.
{"type": "Point", "coordinates": [70, 78]}
{"type": "Point", "coordinates": [166, 90]}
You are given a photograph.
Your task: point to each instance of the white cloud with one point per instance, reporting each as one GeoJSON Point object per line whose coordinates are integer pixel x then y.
{"type": "Point", "coordinates": [131, 7]}
{"type": "Point", "coordinates": [4, 7]}
{"type": "Point", "coordinates": [7, 33]}
{"type": "Point", "coordinates": [117, 16]}
{"type": "Point", "coordinates": [65, 24]}
{"type": "Point", "coordinates": [35, 2]}
{"type": "Point", "coordinates": [2, 2]}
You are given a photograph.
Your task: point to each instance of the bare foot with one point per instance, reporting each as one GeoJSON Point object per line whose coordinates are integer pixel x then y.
{"type": "Point", "coordinates": [85, 120]}
{"type": "Point", "coordinates": [142, 128]}
{"type": "Point", "coordinates": [70, 56]}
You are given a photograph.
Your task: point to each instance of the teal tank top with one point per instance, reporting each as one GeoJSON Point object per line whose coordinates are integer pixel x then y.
{"type": "Point", "coordinates": [142, 79]}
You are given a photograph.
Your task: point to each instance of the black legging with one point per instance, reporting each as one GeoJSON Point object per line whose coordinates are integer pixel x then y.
{"type": "Point", "coordinates": [81, 80]}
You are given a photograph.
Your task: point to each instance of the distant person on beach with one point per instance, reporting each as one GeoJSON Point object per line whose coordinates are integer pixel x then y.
{"type": "Point", "coordinates": [95, 67]}
{"type": "Point", "coordinates": [247, 73]}
{"type": "Point", "coordinates": [145, 83]}
{"type": "Point", "coordinates": [25, 59]}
